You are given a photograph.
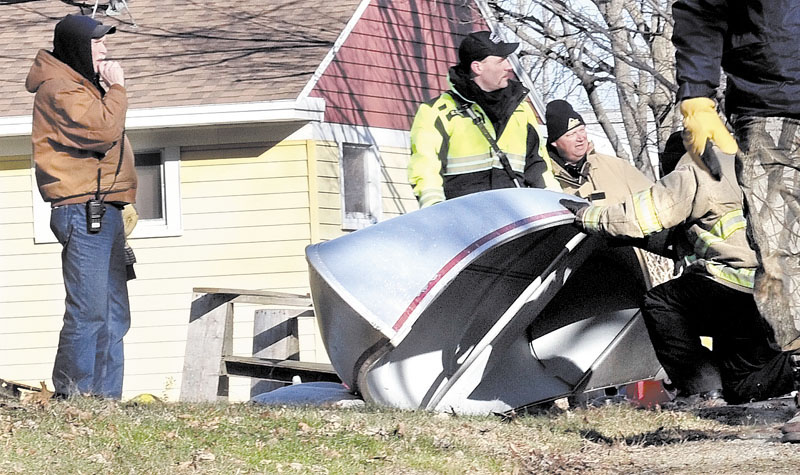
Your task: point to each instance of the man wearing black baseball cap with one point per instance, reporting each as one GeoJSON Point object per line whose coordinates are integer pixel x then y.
{"type": "Point", "coordinates": [85, 170]}
{"type": "Point", "coordinates": [450, 154]}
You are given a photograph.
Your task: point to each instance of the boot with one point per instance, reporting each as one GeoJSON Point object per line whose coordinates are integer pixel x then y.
{"type": "Point", "coordinates": [704, 400]}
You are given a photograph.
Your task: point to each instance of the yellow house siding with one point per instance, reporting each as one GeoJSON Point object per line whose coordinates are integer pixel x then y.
{"type": "Point", "coordinates": [245, 225]}
{"type": "Point", "coordinates": [29, 306]}
{"type": "Point", "coordinates": [330, 212]}
{"type": "Point", "coordinates": [247, 215]}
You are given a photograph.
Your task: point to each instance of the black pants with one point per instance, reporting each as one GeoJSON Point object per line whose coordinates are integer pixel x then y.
{"type": "Point", "coordinates": [746, 362]}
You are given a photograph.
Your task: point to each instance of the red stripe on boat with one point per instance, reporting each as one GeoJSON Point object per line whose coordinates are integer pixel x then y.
{"type": "Point", "coordinates": [464, 253]}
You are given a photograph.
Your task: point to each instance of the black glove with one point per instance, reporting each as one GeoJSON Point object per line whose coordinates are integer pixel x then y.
{"type": "Point", "coordinates": [711, 161]}
{"type": "Point", "coordinates": [573, 205]}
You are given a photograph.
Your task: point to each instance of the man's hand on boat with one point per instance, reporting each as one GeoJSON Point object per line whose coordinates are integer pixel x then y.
{"type": "Point", "coordinates": [573, 206]}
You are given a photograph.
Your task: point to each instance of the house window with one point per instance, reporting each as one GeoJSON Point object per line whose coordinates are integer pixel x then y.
{"type": "Point", "coordinates": [150, 192]}
{"type": "Point", "coordinates": [360, 183]}
{"type": "Point", "coordinates": [158, 193]}
{"type": "Point", "coordinates": [157, 197]}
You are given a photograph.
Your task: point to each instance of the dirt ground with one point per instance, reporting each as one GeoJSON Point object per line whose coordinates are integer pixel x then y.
{"type": "Point", "coordinates": [749, 443]}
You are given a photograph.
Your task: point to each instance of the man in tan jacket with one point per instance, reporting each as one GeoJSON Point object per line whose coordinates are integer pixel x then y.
{"type": "Point", "coordinates": [578, 168]}
{"type": "Point", "coordinates": [85, 170]}
{"type": "Point", "coordinates": [714, 295]}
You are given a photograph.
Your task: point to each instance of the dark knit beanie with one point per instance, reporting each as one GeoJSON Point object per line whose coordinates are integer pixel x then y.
{"type": "Point", "coordinates": [560, 118]}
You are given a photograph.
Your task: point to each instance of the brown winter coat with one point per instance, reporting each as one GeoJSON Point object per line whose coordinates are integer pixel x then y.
{"type": "Point", "coordinates": [76, 132]}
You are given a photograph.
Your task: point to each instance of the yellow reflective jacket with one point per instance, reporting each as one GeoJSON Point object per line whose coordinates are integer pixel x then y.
{"type": "Point", "coordinates": [450, 156]}
{"type": "Point", "coordinates": [707, 212]}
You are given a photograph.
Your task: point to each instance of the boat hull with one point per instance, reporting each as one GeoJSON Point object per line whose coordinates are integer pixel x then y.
{"type": "Point", "coordinates": [480, 304]}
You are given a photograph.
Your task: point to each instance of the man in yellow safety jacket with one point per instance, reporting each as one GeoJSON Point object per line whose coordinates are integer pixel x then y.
{"type": "Point", "coordinates": [713, 297]}
{"type": "Point", "coordinates": [450, 153]}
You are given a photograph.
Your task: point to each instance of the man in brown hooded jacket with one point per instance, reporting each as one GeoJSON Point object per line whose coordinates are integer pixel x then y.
{"type": "Point", "coordinates": [85, 170]}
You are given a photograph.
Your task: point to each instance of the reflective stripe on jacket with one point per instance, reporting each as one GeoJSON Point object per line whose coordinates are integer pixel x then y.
{"type": "Point", "coordinates": [451, 157]}
{"type": "Point", "coordinates": [709, 213]}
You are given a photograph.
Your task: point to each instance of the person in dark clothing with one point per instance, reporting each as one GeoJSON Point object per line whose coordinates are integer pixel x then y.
{"type": "Point", "coordinates": [755, 43]}
{"type": "Point", "coordinates": [450, 156]}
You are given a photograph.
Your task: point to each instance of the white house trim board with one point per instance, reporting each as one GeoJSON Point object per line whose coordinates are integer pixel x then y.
{"type": "Point", "coordinates": [300, 110]}
{"type": "Point", "coordinates": [15, 125]}
{"type": "Point", "coordinates": [340, 133]}
{"type": "Point", "coordinates": [308, 109]}
{"type": "Point", "coordinates": [348, 28]}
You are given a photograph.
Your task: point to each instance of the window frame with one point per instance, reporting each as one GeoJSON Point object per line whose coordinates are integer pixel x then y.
{"type": "Point", "coordinates": [372, 187]}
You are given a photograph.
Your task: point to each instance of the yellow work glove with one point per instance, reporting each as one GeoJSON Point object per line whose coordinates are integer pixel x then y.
{"type": "Point", "coordinates": [702, 125]}
{"type": "Point", "coordinates": [129, 218]}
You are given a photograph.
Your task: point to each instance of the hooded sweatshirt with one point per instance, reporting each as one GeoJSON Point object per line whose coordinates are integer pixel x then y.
{"type": "Point", "coordinates": [77, 127]}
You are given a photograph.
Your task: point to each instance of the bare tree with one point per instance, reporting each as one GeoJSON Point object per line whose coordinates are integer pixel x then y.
{"type": "Point", "coordinates": [621, 47]}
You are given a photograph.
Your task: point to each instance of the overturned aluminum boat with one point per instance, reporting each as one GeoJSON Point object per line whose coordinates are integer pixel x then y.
{"type": "Point", "coordinates": [484, 303]}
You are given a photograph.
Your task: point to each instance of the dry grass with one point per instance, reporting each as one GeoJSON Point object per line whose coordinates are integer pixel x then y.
{"type": "Point", "coordinates": [93, 436]}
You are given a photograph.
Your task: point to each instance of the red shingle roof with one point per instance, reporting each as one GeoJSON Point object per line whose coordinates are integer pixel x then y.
{"type": "Point", "coordinates": [186, 52]}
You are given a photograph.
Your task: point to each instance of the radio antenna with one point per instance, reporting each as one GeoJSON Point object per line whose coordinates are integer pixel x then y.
{"type": "Point", "coordinates": [114, 8]}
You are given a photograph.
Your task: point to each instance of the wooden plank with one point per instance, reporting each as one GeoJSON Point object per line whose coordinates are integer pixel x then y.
{"type": "Point", "coordinates": [281, 281]}
{"type": "Point", "coordinates": [208, 337]}
{"type": "Point", "coordinates": [18, 197]}
{"type": "Point", "coordinates": [354, 116]}
{"type": "Point", "coordinates": [275, 336]}
{"type": "Point", "coordinates": [215, 252]}
{"type": "Point", "coordinates": [259, 233]}
{"type": "Point", "coordinates": [261, 297]}
{"type": "Point", "coordinates": [28, 293]}
{"type": "Point", "coordinates": [14, 182]}
{"type": "Point", "coordinates": [19, 245]}
{"type": "Point", "coordinates": [43, 261]}
{"type": "Point", "coordinates": [261, 265]}
{"type": "Point", "coordinates": [218, 155]}
{"type": "Point", "coordinates": [15, 231]}
{"type": "Point", "coordinates": [280, 370]}
{"type": "Point", "coordinates": [32, 277]}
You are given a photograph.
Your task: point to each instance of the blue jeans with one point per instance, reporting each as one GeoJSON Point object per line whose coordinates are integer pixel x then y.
{"type": "Point", "coordinates": [90, 358]}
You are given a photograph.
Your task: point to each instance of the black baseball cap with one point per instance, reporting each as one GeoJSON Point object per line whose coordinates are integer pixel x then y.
{"type": "Point", "coordinates": [480, 44]}
{"type": "Point", "coordinates": [102, 30]}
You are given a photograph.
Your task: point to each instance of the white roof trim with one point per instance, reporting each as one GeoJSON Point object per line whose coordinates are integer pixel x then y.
{"type": "Point", "coordinates": [348, 28]}
{"type": "Point", "coordinates": [15, 125]}
{"type": "Point", "coordinates": [303, 110]}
